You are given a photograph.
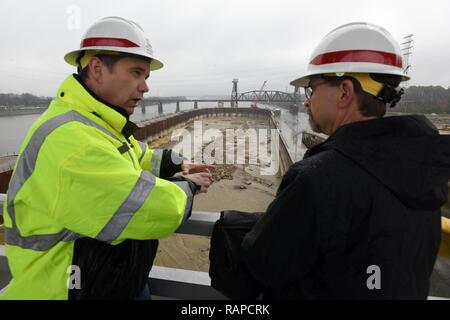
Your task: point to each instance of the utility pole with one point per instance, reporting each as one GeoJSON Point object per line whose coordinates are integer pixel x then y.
{"type": "Point", "coordinates": [407, 52]}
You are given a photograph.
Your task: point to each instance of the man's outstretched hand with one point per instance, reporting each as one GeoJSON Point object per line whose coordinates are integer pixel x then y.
{"type": "Point", "coordinates": [190, 168]}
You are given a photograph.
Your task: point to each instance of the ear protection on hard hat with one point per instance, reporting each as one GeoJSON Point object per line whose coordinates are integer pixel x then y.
{"type": "Point", "coordinates": [381, 91]}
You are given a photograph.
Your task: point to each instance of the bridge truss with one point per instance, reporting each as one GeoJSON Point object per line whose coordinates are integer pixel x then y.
{"type": "Point", "coordinates": [269, 96]}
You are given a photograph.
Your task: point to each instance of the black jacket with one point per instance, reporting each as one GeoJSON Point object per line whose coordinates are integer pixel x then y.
{"type": "Point", "coordinates": [370, 195]}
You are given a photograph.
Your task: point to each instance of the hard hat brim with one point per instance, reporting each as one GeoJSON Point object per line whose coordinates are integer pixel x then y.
{"type": "Point", "coordinates": [71, 57]}
{"type": "Point", "coordinates": [304, 80]}
{"type": "Point", "coordinates": [301, 82]}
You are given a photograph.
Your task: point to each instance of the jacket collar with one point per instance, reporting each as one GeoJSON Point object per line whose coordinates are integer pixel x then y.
{"type": "Point", "coordinates": [375, 131]}
{"type": "Point", "coordinates": [75, 93]}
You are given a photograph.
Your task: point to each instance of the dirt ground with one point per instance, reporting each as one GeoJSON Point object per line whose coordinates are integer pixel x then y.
{"type": "Point", "coordinates": [241, 193]}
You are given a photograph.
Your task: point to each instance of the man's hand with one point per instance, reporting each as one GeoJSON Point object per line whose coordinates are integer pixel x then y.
{"type": "Point", "coordinates": [202, 179]}
{"type": "Point", "coordinates": [190, 168]}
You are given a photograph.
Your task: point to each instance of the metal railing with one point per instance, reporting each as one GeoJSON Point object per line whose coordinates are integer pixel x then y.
{"type": "Point", "coordinates": [286, 158]}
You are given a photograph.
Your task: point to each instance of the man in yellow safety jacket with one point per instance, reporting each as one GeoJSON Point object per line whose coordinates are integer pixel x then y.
{"type": "Point", "coordinates": [86, 197]}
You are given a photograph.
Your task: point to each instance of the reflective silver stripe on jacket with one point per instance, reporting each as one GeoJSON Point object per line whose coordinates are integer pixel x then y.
{"type": "Point", "coordinates": [155, 165]}
{"type": "Point", "coordinates": [129, 207]}
{"type": "Point", "coordinates": [190, 197]}
{"type": "Point", "coordinates": [41, 242]}
{"type": "Point", "coordinates": [25, 167]}
{"type": "Point", "coordinates": [143, 149]}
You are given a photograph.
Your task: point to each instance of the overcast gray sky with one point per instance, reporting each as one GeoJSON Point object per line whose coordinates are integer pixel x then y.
{"type": "Point", "coordinates": [206, 43]}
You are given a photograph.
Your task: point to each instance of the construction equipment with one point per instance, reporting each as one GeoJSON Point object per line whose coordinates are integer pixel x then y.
{"type": "Point", "coordinates": [254, 104]}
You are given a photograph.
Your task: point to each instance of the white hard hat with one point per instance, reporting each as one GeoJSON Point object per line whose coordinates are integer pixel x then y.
{"type": "Point", "coordinates": [115, 34]}
{"type": "Point", "coordinates": [355, 48]}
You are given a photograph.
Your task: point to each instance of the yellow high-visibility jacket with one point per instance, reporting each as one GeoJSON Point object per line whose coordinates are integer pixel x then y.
{"type": "Point", "coordinates": [80, 173]}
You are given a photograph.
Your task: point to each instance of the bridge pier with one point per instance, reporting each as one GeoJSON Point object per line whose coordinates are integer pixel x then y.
{"type": "Point", "coordinates": [143, 107]}
{"type": "Point", "coordinates": [160, 108]}
{"type": "Point", "coordinates": [195, 104]}
{"type": "Point", "coordinates": [178, 107]}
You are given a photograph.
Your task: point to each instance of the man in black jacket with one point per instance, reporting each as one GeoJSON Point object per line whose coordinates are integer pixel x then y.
{"type": "Point", "coordinates": [359, 217]}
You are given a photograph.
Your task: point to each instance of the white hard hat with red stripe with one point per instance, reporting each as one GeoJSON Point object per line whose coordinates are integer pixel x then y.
{"type": "Point", "coordinates": [355, 48]}
{"type": "Point", "coordinates": [115, 34]}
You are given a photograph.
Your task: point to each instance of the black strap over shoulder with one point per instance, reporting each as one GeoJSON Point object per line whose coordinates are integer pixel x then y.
{"type": "Point", "coordinates": [227, 270]}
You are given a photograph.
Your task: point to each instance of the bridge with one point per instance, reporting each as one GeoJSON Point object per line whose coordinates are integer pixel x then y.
{"type": "Point", "coordinates": [279, 98]}
{"type": "Point", "coordinates": [269, 96]}
{"type": "Point", "coordinates": [250, 96]}
{"type": "Point", "coordinates": [260, 96]}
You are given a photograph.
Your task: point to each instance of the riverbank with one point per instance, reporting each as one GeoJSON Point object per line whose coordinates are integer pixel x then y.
{"type": "Point", "coordinates": [21, 111]}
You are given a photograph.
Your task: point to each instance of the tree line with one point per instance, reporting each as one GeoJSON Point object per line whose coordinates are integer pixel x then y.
{"type": "Point", "coordinates": [425, 99]}
{"type": "Point", "coordinates": [417, 99]}
{"type": "Point", "coordinates": [12, 100]}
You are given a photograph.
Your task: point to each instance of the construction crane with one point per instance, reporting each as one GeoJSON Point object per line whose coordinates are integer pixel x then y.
{"type": "Point", "coordinates": [255, 103]}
